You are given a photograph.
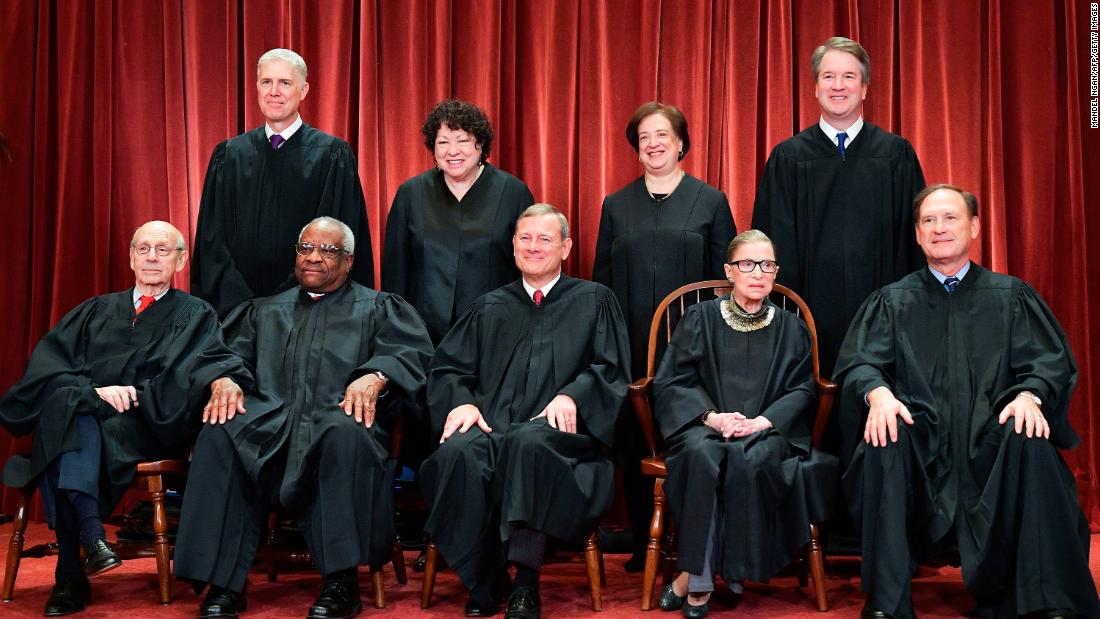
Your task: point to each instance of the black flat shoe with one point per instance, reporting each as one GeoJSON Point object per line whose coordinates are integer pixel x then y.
{"type": "Point", "coordinates": [100, 558]}
{"type": "Point", "coordinates": [475, 609]}
{"type": "Point", "coordinates": [339, 599]}
{"type": "Point", "coordinates": [696, 612]}
{"type": "Point", "coordinates": [523, 604]}
{"type": "Point", "coordinates": [221, 603]}
{"type": "Point", "coordinates": [669, 600]}
{"type": "Point", "coordinates": [68, 596]}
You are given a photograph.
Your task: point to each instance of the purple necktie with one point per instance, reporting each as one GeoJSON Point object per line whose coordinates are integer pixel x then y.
{"type": "Point", "coordinates": [276, 140]}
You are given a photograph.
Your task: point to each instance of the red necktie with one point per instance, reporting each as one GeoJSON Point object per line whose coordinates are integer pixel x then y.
{"type": "Point", "coordinates": [538, 297]}
{"type": "Point", "coordinates": [146, 301]}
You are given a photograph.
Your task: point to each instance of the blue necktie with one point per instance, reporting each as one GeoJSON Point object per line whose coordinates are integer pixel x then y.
{"type": "Point", "coordinates": [277, 139]}
{"type": "Point", "coordinates": [841, 138]}
{"type": "Point", "coordinates": [951, 283]}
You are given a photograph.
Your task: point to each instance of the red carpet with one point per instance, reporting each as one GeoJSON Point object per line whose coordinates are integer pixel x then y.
{"type": "Point", "coordinates": [131, 590]}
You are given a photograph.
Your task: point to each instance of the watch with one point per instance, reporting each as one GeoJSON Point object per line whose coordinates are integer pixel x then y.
{"type": "Point", "coordinates": [707, 413]}
{"type": "Point", "coordinates": [381, 376]}
{"type": "Point", "coordinates": [1031, 396]}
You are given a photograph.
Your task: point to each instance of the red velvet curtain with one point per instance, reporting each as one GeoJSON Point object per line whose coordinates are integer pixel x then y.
{"type": "Point", "coordinates": [111, 110]}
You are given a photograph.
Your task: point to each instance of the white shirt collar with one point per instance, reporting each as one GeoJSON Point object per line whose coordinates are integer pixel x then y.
{"type": "Point", "coordinates": [137, 296]}
{"type": "Point", "coordinates": [286, 133]}
{"type": "Point", "coordinates": [545, 289]}
{"type": "Point", "coordinates": [940, 276]}
{"type": "Point", "coordinates": [831, 131]}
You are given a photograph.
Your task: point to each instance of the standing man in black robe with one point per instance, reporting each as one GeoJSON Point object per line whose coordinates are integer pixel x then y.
{"type": "Point", "coordinates": [958, 381]}
{"type": "Point", "coordinates": [331, 363]}
{"type": "Point", "coordinates": [836, 200]}
{"type": "Point", "coordinates": [117, 381]}
{"type": "Point", "coordinates": [261, 187]}
{"type": "Point", "coordinates": [524, 392]}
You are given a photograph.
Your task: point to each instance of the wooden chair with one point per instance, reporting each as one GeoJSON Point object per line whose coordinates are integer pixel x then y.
{"type": "Point", "coordinates": [661, 547]}
{"type": "Point", "coordinates": [593, 564]}
{"type": "Point", "coordinates": [276, 551]}
{"type": "Point", "coordinates": [149, 478]}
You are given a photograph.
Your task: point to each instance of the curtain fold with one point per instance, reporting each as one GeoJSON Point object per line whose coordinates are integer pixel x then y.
{"type": "Point", "coordinates": [111, 110]}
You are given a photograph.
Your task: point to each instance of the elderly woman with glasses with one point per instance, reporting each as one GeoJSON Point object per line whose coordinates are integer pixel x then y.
{"type": "Point", "coordinates": [734, 401]}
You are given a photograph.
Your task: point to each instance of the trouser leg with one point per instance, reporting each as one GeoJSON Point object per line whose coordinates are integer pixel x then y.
{"type": "Point", "coordinates": [704, 581]}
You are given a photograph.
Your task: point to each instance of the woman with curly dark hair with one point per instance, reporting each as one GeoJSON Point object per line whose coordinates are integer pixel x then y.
{"type": "Point", "coordinates": [449, 231]}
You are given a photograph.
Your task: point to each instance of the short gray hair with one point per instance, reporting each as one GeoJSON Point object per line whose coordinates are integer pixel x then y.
{"type": "Point", "coordinates": [181, 243]}
{"type": "Point", "coordinates": [288, 56]}
{"type": "Point", "coordinates": [349, 236]}
{"type": "Point", "coordinates": [746, 237]}
{"type": "Point", "coordinates": [842, 44]}
{"type": "Point", "coordinates": [536, 210]}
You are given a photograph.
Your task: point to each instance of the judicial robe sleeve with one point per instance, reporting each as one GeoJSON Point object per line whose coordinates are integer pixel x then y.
{"type": "Point", "coordinates": [214, 274]}
{"type": "Point", "coordinates": [397, 251]}
{"type": "Point", "coordinates": [601, 265]}
{"type": "Point", "coordinates": [722, 231]}
{"type": "Point", "coordinates": [678, 394]}
{"type": "Point", "coordinates": [453, 375]}
{"type": "Point", "coordinates": [599, 389]}
{"type": "Point", "coordinates": [790, 413]}
{"type": "Point", "coordinates": [343, 196]}
{"type": "Point", "coordinates": [775, 213]}
{"type": "Point", "coordinates": [908, 181]}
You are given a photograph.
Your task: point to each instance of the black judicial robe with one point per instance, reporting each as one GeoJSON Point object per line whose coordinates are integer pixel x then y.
{"type": "Point", "coordinates": [648, 248]}
{"type": "Point", "coordinates": [842, 227]}
{"type": "Point", "coordinates": [256, 200]}
{"type": "Point", "coordinates": [956, 360]}
{"type": "Point", "coordinates": [772, 485]}
{"type": "Point", "coordinates": [440, 253]}
{"type": "Point", "coordinates": [303, 353]}
{"type": "Point", "coordinates": [99, 344]}
{"type": "Point", "coordinates": [509, 358]}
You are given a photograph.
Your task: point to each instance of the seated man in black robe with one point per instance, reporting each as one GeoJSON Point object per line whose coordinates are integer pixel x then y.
{"type": "Point", "coordinates": [262, 186]}
{"type": "Point", "coordinates": [117, 381]}
{"type": "Point", "coordinates": [524, 391]}
{"type": "Point", "coordinates": [331, 363]}
{"type": "Point", "coordinates": [958, 381]}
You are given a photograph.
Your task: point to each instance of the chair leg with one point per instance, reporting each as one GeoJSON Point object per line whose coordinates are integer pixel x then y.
{"type": "Point", "coordinates": [160, 539]}
{"type": "Point", "coordinates": [817, 568]}
{"type": "Point", "coordinates": [653, 548]}
{"type": "Point", "coordinates": [376, 582]}
{"type": "Point", "coordinates": [15, 544]}
{"type": "Point", "coordinates": [432, 556]}
{"type": "Point", "coordinates": [592, 567]}
{"type": "Point", "coordinates": [397, 557]}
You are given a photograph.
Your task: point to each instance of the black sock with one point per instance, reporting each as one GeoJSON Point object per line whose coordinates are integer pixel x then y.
{"type": "Point", "coordinates": [86, 509]}
{"type": "Point", "coordinates": [527, 577]}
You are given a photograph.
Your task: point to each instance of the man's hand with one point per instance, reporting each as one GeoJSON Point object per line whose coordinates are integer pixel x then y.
{"type": "Point", "coordinates": [1028, 417]}
{"type": "Point", "coordinates": [751, 426]}
{"type": "Point", "coordinates": [462, 418]}
{"type": "Point", "coordinates": [361, 398]}
{"type": "Point", "coordinates": [226, 400]}
{"type": "Point", "coordinates": [120, 397]}
{"type": "Point", "coordinates": [561, 412]}
{"type": "Point", "coordinates": [724, 423]}
{"type": "Point", "coordinates": [882, 419]}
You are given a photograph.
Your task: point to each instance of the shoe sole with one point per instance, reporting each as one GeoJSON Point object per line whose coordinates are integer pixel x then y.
{"type": "Point", "coordinates": [104, 569]}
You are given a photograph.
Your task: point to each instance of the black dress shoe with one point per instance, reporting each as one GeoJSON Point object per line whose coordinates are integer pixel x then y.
{"type": "Point", "coordinates": [222, 603]}
{"type": "Point", "coordinates": [100, 558]}
{"type": "Point", "coordinates": [696, 612]}
{"type": "Point", "coordinates": [477, 609]}
{"type": "Point", "coordinates": [635, 563]}
{"type": "Point", "coordinates": [523, 604]}
{"type": "Point", "coordinates": [870, 612]}
{"type": "Point", "coordinates": [1053, 613]}
{"type": "Point", "coordinates": [339, 599]}
{"type": "Point", "coordinates": [68, 596]}
{"type": "Point", "coordinates": [669, 600]}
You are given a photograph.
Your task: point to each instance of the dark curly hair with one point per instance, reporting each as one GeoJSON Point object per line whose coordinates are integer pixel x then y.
{"type": "Point", "coordinates": [675, 118]}
{"type": "Point", "coordinates": [459, 115]}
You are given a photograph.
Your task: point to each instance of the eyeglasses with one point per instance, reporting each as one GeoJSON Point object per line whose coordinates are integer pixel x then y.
{"type": "Point", "coordinates": [331, 252]}
{"type": "Point", "coordinates": [162, 251]}
{"type": "Point", "coordinates": [747, 266]}
{"type": "Point", "coordinates": [541, 241]}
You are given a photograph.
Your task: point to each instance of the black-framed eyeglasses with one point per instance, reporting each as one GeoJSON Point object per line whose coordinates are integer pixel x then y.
{"type": "Point", "coordinates": [327, 250]}
{"type": "Point", "coordinates": [747, 266]}
{"type": "Point", "coordinates": [161, 250]}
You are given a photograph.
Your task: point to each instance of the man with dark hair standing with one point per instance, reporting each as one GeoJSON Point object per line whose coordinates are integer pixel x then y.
{"type": "Point", "coordinates": [331, 364]}
{"type": "Point", "coordinates": [120, 379]}
{"type": "Point", "coordinates": [958, 381]}
{"type": "Point", "coordinates": [836, 199]}
{"type": "Point", "coordinates": [523, 391]}
{"type": "Point", "coordinates": [261, 187]}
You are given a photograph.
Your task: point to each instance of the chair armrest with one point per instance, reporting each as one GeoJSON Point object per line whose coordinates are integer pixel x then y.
{"type": "Point", "coordinates": [639, 398]}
